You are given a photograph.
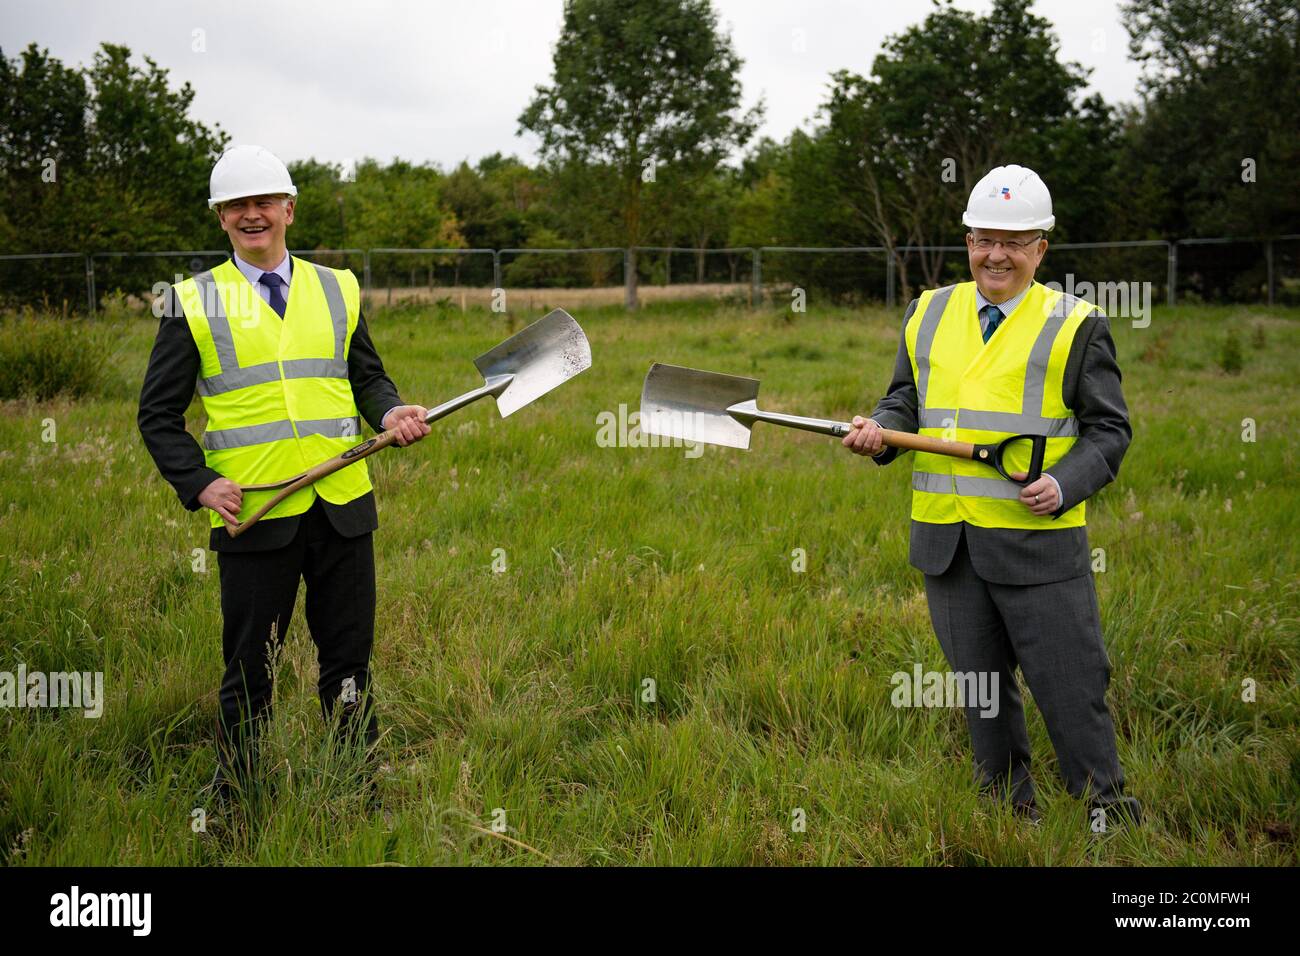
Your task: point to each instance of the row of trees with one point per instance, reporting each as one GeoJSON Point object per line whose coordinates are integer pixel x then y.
{"type": "Point", "coordinates": [644, 110]}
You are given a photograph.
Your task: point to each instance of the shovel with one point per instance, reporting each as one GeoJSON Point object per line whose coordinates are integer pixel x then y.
{"type": "Point", "coordinates": [695, 405]}
{"type": "Point", "coordinates": [520, 370]}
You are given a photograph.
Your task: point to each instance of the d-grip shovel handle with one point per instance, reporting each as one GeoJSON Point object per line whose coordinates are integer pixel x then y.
{"type": "Point", "coordinates": [991, 455]}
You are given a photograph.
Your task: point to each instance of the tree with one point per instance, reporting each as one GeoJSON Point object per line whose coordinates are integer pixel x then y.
{"type": "Point", "coordinates": [43, 112]}
{"type": "Point", "coordinates": [149, 160]}
{"type": "Point", "coordinates": [102, 158]}
{"type": "Point", "coordinates": [640, 84]}
{"type": "Point", "coordinates": [1221, 89]}
{"type": "Point", "coordinates": [400, 206]}
{"type": "Point", "coordinates": [946, 101]}
{"type": "Point", "coordinates": [320, 212]}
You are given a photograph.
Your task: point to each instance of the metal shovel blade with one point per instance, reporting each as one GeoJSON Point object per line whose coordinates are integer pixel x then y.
{"type": "Point", "coordinates": [692, 404]}
{"type": "Point", "coordinates": [537, 359]}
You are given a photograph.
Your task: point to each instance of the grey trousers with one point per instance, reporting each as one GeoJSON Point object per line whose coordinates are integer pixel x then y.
{"type": "Point", "coordinates": [1053, 632]}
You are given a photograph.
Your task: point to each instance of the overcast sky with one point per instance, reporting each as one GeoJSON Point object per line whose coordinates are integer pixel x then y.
{"type": "Point", "coordinates": [445, 81]}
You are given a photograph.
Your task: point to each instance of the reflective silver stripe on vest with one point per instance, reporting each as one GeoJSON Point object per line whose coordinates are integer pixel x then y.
{"type": "Point", "coordinates": [925, 338]}
{"type": "Point", "coordinates": [931, 482]}
{"type": "Point", "coordinates": [330, 427]}
{"type": "Point", "coordinates": [225, 438]}
{"type": "Point", "coordinates": [233, 376]}
{"type": "Point", "coordinates": [1036, 371]}
{"type": "Point", "coordinates": [247, 435]}
{"type": "Point", "coordinates": [338, 312]}
{"type": "Point", "coordinates": [315, 368]}
{"type": "Point", "coordinates": [938, 417]}
{"type": "Point", "coordinates": [218, 324]}
{"type": "Point", "coordinates": [1000, 422]}
{"type": "Point", "coordinates": [239, 378]}
{"type": "Point", "coordinates": [965, 486]}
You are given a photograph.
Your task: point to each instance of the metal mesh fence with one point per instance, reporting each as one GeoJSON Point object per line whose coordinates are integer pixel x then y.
{"type": "Point", "coordinates": [1086, 264]}
{"type": "Point", "coordinates": [54, 282]}
{"type": "Point", "coordinates": [590, 268]}
{"type": "Point", "coordinates": [844, 276]}
{"type": "Point", "coordinates": [677, 272]}
{"type": "Point", "coordinates": [1285, 261]}
{"type": "Point", "coordinates": [1190, 270]}
{"type": "Point", "coordinates": [1238, 270]}
{"type": "Point", "coordinates": [133, 279]}
{"type": "Point", "coordinates": [399, 276]}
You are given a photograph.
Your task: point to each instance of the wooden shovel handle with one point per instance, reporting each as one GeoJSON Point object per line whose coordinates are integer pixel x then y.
{"type": "Point", "coordinates": [936, 446]}
{"type": "Point", "coordinates": [992, 455]}
{"type": "Point", "coordinates": [349, 457]}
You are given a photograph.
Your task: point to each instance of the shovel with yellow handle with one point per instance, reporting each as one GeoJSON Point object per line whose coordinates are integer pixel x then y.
{"type": "Point", "coordinates": [696, 405]}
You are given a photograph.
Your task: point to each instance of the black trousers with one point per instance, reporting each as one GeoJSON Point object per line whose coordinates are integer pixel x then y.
{"type": "Point", "coordinates": [1053, 633]}
{"type": "Point", "coordinates": [258, 590]}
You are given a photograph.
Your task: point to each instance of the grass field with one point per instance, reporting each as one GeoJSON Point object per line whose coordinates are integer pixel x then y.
{"type": "Point", "coordinates": [523, 690]}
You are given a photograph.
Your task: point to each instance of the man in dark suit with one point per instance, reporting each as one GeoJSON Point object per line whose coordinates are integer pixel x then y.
{"type": "Point", "coordinates": [329, 544]}
{"type": "Point", "coordinates": [1007, 590]}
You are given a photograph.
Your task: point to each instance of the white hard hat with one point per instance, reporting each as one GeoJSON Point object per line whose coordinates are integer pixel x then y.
{"type": "Point", "coordinates": [248, 171]}
{"type": "Point", "coordinates": [1009, 197]}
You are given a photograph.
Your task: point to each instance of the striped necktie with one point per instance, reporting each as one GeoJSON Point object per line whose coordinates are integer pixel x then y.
{"type": "Point", "coordinates": [992, 317]}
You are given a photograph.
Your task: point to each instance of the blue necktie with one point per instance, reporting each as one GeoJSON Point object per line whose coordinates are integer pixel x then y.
{"type": "Point", "coordinates": [992, 316]}
{"type": "Point", "coordinates": [272, 281]}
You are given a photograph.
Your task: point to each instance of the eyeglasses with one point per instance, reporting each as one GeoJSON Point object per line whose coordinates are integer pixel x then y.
{"type": "Point", "coordinates": [984, 244]}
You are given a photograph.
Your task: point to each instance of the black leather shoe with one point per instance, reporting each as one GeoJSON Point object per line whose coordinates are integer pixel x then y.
{"type": "Point", "coordinates": [221, 792]}
{"type": "Point", "coordinates": [1104, 817]}
{"type": "Point", "coordinates": [1028, 812]}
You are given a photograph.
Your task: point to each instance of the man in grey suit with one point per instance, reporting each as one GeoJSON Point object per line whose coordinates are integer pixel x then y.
{"type": "Point", "coordinates": [1007, 569]}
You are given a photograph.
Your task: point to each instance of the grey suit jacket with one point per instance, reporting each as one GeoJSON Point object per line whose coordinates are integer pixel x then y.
{"type": "Point", "coordinates": [1091, 387]}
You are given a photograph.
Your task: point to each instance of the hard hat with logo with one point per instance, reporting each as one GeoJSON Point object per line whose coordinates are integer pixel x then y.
{"type": "Point", "coordinates": [1009, 197]}
{"type": "Point", "coordinates": [248, 171]}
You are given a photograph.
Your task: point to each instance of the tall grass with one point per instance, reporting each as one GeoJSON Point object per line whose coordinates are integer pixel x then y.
{"type": "Point", "coordinates": [42, 357]}
{"type": "Point", "coordinates": [525, 691]}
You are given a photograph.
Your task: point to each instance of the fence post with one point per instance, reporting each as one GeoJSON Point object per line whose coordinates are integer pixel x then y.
{"type": "Point", "coordinates": [1171, 293]}
{"type": "Point", "coordinates": [756, 280]}
{"type": "Point", "coordinates": [365, 268]}
{"type": "Point", "coordinates": [1268, 259]}
{"type": "Point", "coordinates": [889, 279]}
{"type": "Point", "coordinates": [629, 278]}
{"type": "Point", "coordinates": [90, 282]}
{"type": "Point", "coordinates": [496, 268]}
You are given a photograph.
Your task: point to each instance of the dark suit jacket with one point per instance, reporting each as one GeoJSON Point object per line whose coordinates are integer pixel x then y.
{"type": "Point", "coordinates": [169, 387]}
{"type": "Point", "coordinates": [1091, 387]}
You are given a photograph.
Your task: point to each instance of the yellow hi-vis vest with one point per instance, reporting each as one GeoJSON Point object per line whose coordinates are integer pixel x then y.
{"type": "Point", "coordinates": [276, 392]}
{"type": "Point", "coordinates": [970, 391]}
